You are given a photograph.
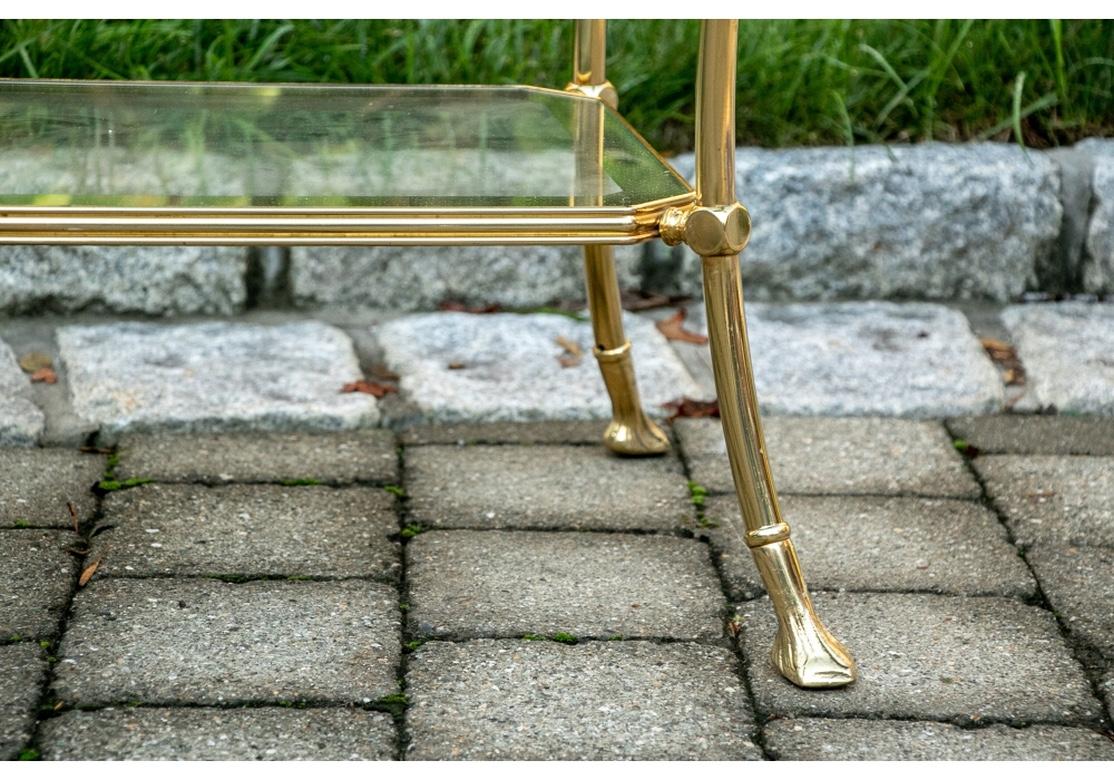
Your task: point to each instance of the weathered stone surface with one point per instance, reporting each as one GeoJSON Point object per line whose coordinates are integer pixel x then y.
{"type": "Point", "coordinates": [1066, 349]}
{"type": "Point", "coordinates": [849, 739]}
{"type": "Point", "coordinates": [1079, 583]}
{"type": "Point", "coordinates": [817, 455]}
{"type": "Point", "coordinates": [203, 734]}
{"type": "Point", "coordinates": [497, 583]}
{"type": "Point", "coordinates": [213, 376]}
{"type": "Point", "coordinates": [1053, 499]}
{"type": "Point", "coordinates": [543, 487]}
{"type": "Point", "coordinates": [39, 484]}
{"type": "Point", "coordinates": [511, 369]}
{"type": "Point", "coordinates": [860, 359]}
{"type": "Point", "coordinates": [1107, 687]}
{"type": "Point", "coordinates": [936, 221]}
{"type": "Point", "coordinates": [168, 641]}
{"type": "Point", "coordinates": [571, 432]}
{"type": "Point", "coordinates": [36, 576]}
{"type": "Point", "coordinates": [518, 700]}
{"type": "Point", "coordinates": [21, 422]}
{"type": "Point", "coordinates": [22, 669]}
{"type": "Point", "coordinates": [417, 278]}
{"type": "Point", "coordinates": [335, 458]}
{"type": "Point", "coordinates": [248, 531]}
{"type": "Point", "coordinates": [1036, 434]}
{"type": "Point", "coordinates": [1098, 263]}
{"type": "Point", "coordinates": [879, 544]}
{"type": "Point", "coordinates": [142, 280]}
{"type": "Point", "coordinates": [924, 656]}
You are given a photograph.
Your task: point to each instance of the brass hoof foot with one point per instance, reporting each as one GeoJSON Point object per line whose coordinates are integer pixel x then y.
{"type": "Point", "coordinates": [642, 439]}
{"type": "Point", "coordinates": [804, 650]}
{"type": "Point", "coordinates": [810, 657]}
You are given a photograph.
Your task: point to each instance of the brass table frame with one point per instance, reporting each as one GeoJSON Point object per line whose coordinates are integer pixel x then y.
{"type": "Point", "coordinates": [710, 221]}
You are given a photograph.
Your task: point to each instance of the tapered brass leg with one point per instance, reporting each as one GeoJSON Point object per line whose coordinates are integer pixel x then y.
{"type": "Point", "coordinates": [630, 432]}
{"type": "Point", "coordinates": [804, 651]}
{"type": "Point", "coordinates": [717, 228]}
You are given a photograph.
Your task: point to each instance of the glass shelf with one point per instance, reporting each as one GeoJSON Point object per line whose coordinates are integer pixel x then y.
{"type": "Point", "coordinates": [177, 162]}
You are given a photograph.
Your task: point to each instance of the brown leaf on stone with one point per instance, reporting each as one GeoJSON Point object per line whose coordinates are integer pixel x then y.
{"type": "Point", "coordinates": [489, 308]}
{"type": "Point", "coordinates": [33, 361]}
{"type": "Point", "coordinates": [572, 353]}
{"type": "Point", "coordinates": [673, 328]}
{"type": "Point", "coordinates": [44, 375]}
{"type": "Point", "coordinates": [376, 389]}
{"type": "Point", "coordinates": [690, 407]}
{"type": "Point", "coordinates": [456, 366]}
{"type": "Point", "coordinates": [73, 515]}
{"type": "Point", "coordinates": [1005, 356]}
{"type": "Point", "coordinates": [88, 573]}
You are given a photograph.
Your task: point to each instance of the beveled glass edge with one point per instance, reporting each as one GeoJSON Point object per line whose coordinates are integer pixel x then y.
{"type": "Point", "coordinates": [398, 225]}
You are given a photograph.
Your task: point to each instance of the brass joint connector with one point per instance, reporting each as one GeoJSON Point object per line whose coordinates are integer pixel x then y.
{"type": "Point", "coordinates": [708, 230]}
{"type": "Point", "coordinates": [605, 92]}
{"type": "Point", "coordinates": [767, 534]}
{"type": "Point", "coordinates": [612, 355]}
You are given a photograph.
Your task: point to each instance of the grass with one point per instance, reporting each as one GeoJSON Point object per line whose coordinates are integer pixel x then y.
{"type": "Point", "coordinates": [800, 82]}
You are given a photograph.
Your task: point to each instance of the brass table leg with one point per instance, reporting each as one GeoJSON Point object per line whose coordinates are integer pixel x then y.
{"type": "Point", "coordinates": [717, 228]}
{"type": "Point", "coordinates": [630, 432]}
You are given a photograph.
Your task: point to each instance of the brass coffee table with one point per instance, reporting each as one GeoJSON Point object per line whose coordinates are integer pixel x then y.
{"type": "Point", "coordinates": [84, 162]}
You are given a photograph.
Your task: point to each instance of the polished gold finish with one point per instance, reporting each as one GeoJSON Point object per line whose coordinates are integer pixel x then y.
{"type": "Point", "coordinates": [804, 651]}
{"type": "Point", "coordinates": [708, 230]}
{"type": "Point", "coordinates": [630, 432]}
{"type": "Point", "coordinates": [589, 62]}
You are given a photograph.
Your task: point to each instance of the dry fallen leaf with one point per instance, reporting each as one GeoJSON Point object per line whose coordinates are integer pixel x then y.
{"type": "Point", "coordinates": [456, 366]}
{"type": "Point", "coordinates": [375, 389]}
{"type": "Point", "coordinates": [45, 375]}
{"type": "Point", "coordinates": [490, 308]}
{"type": "Point", "coordinates": [673, 328]}
{"type": "Point", "coordinates": [33, 361]}
{"type": "Point", "coordinates": [73, 514]}
{"type": "Point", "coordinates": [88, 573]}
{"type": "Point", "coordinates": [1005, 355]}
{"type": "Point", "coordinates": [572, 353]}
{"type": "Point", "coordinates": [690, 407]}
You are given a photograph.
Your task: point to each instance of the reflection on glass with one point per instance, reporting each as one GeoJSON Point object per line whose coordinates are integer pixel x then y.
{"type": "Point", "coordinates": [223, 145]}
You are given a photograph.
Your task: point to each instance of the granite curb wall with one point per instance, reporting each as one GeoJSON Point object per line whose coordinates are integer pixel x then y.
{"type": "Point", "coordinates": [933, 221]}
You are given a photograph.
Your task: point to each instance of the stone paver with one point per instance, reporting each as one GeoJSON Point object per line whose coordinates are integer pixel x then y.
{"type": "Point", "coordinates": [39, 483]}
{"type": "Point", "coordinates": [1079, 584]}
{"type": "Point", "coordinates": [248, 531]}
{"type": "Point", "coordinates": [203, 734]}
{"type": "Point", "coordinates": [336, 458]}
{"type": "Point", "coordinates": [166, 641]}
{"type": "Point", "coordinates": [499, 583]}
{"type": "Point", "coordinates": [213, 376]}
{"type": "Point", "coordinates": [508, 367]}
{"type": "Point", "coordinates": [865, 358]}
{"type": "Point", "coordinates": [822, 739]}
{"type": "Point", "coordinates": [879, 544]}
{"type": "Point", "coordinates": [1098, 266]}
{"type": "Point", "coordinates": [22, 669]}
{"type": "Point", "coordinates": [841, 456]}
{"type": "Point", "coordinates": [21, 422]}
{"type": "Point", "coordinates": [508, 699]}
{"type": "Point", "coordinates": [570, 432]}
{"type": "Point", "coordinates": [151, 280]}
{"type": "Point", "coordinates": [36, 577]}
{"type": "Point", "coordinates": [839, 223]}
{"type": "Point", "coordinates": [1052, 499]}
{"type": "Point", "coordinates": [543, 487]}
{"type": "Point", "coordinates": [1036, 434]}
{"type": "Point", "coordinates": [420, 278]}
{"type": "Point", "coordinates": [1066, 349]}
{"type": "Point", "coordinates": [924, 656]}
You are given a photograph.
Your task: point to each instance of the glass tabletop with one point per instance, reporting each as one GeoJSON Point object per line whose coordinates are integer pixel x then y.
{"type": "Point", "coordinates": [176, 145]}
